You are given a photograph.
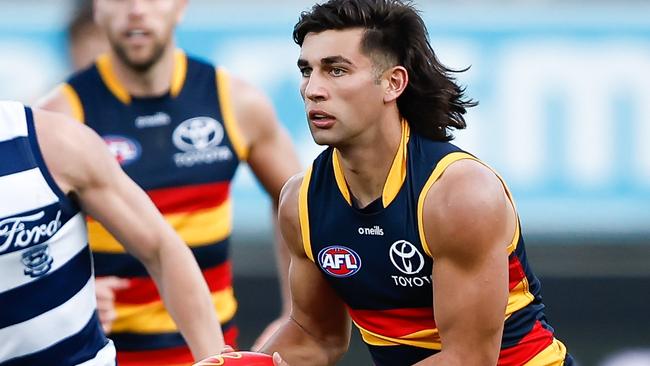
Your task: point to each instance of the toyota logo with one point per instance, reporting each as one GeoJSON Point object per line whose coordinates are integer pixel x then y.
{"type": "Point", "coordinates": [406, 257]}
{"type": "Point", "coordinates": [198, 133]}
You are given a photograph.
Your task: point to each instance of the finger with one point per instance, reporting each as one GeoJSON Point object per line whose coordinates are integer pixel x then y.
{"type": "Point", "coordinates": [278, 361]}
{"type": "Point", "coordinates": [112, 282]}
{"type": "Point", "coordinates": [227, 349]}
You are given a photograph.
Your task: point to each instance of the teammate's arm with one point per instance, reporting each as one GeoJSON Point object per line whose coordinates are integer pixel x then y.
{"type": "Point", "coordinates": [468, 224]}
{"type": "Point", "coordinates": [318, 329]}
{"type": "Point", "coordinates": [58, 100]}
{"type": "Point", "coordinates": [273, 160]}
{"type": "Point", "coordinates": [85, 170]}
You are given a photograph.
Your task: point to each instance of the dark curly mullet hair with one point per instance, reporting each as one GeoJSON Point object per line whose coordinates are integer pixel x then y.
{"type": "Point", "coordinates": [432, 103]}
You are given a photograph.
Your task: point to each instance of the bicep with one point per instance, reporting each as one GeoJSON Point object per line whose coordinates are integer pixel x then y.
{"type": "Point", "coordinates": [469, 222]}
{"type": "Point", "coordinates": [113, 199]}
{"type": "Point", "coordinates": [315, 305]}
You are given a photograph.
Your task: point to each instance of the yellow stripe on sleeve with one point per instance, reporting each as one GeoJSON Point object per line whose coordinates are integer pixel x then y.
{"type": "Point", "coordinates": [74, 102]}
{"type": "Point", "coordinates": [195, 228]}
{"type": "Point", "coordinates": [428, 339]}
{"type": "Point", "coordinates": [303, 213]}
{"type": "Point", "coordinates": [437, 172]}
{"type": "Point", "coordinates": [153, 317]}
{"type": "Point", "coordinates": [519, 297]}
{"type": "Point", "coordinates": [228, 113]}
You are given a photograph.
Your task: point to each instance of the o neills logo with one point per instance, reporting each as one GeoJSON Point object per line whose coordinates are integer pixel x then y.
{"type": "Point", "coordinates": [22, 231]}
{"type": "Point", "coordinates": [375, 230]}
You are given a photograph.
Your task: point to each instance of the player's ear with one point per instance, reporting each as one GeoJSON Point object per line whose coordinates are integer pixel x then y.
{"type": "Point", "coordinates": [181, 5]}
{"type": "Point", "coordinates": [395, 80]}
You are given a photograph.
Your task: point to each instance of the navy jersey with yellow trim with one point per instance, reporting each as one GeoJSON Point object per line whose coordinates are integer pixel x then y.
{"type": "Point", "coordinates": [183, 148]}
{"type": "Point", "coordinates": [376, 261]}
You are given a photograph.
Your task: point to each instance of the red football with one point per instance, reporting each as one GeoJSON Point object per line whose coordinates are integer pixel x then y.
{"type": "Point", "coordinates": [237, 359]}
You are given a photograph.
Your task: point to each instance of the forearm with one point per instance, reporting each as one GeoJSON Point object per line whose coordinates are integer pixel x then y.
{"type": "Point", "coordinates": [187, 299]}
{"type": "Point", "coordinates": [298, 347]}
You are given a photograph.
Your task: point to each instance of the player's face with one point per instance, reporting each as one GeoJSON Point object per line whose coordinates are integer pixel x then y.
{"type": "Point", "coordinates": [339, 87]}
{"type": "Point", "coordinates": [139, 31]}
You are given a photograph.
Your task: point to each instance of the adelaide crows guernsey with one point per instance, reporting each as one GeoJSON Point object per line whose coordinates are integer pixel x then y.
{"type": "Point", "coordinates": [47, 291]}
{"type": "Point", "coordinates": [377, 261]}
{"type": "Point", "coordinates": [183, 149]}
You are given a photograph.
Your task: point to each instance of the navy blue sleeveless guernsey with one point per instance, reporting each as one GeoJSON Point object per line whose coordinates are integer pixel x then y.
{"type": "Point", "coordinates": [183, 149]}
{"type": "Point", "coordinates": [378, 263]}
{"type": "Point", "coordinates": [47, 288]}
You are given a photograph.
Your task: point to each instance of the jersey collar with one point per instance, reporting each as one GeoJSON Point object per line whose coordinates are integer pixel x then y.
{"type": "Point", "coordinates": [105, 68]}
{"type": "Point", "coordinates": [396, 174]}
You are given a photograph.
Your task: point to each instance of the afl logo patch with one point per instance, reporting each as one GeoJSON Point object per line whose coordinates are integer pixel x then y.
{"type": "Point", "coordinates": [339, 261]}
{"type": "Point", "coordinates": [123, 148]}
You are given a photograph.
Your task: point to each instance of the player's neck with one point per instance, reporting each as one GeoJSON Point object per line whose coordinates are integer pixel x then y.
{"type": "Point", "coordinates": [367, 162]}
{"type": "Point", "coordinates": [152, 82]}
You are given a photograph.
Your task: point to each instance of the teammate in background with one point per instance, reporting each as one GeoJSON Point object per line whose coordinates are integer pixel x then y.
{"type": "Point", "coordinates": [57, 168]}
{"type": "Point", "coordinates": [85, 39]}
{"type": "Point", "coordinates": [179, 128]}
{"type": "Point", "coordinates": [415, 240]}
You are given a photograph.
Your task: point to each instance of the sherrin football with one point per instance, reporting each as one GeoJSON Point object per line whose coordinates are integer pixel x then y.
{"type": "Point", "coordinates": [237, 359]}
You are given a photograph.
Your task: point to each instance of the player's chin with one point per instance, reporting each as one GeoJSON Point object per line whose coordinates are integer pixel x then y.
{"type": "Point", "coordinates": [325, 137]}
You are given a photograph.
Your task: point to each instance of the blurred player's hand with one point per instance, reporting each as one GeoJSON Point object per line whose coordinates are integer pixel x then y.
{"type": "Point", "coordinates": [278, 361]}
{"type": "Point", "coordinates": [105, 288]}
{"type": "Point", "coordinates": [268, 332]}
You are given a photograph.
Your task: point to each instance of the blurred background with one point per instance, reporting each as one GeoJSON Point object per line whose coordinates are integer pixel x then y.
{"type": "Point", "coordinates": [564, 116]}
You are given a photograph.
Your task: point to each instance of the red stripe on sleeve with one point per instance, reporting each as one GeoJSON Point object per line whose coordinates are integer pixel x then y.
{"type": "Point", "coordinates": [395, 323]}
{"type": "Point", "coordinates": [189, 198]}
{"type": "Point", "coordinates": [143, 290]}
{"type": "Point", "coordinates": [515, 271]}
{"type": "Point", "coordinates": [530, 345]}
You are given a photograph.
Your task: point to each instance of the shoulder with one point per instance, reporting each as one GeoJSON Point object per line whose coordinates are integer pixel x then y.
{"type": "Point", "coordinates": [71, 150]}
{"type": "Point", "coordinates": [253, 111]}
{"type": "Point", "coordinates": [289, 213]}
{"type": "Point", "coordinates": [467, 204]}
{"type": "Point", "coordinates": [61, 99]}
{"type": "Point", "coordinates": [289, 197]}
{"type": "Point", "coordinates": [246, 97]}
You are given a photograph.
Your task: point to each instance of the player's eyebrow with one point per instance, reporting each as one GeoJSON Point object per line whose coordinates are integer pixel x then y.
{"type": "Point", "coordinates": [326, 61]}
{"type": "Point", "coordinates": [335, 60]}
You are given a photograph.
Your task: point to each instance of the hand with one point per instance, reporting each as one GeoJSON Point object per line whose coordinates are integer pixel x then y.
{"type": "Point", "coordinates": [278, 361]}
{"type": "Point", "coordinates": [268, 332]}
{"type": "Point", "coordinates": [105, 288]}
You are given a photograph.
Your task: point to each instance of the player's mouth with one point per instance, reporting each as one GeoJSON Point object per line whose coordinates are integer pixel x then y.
{"type": "Point", "coordinates": [137, 35]}
{"type": "Point", "coordinates": [321, 119]}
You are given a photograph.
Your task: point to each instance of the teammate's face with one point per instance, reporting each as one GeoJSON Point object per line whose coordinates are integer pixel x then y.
{"type": "Point", "coordinates": [339, 86]}
{"type": "Point", "coordinates": [139, 31]}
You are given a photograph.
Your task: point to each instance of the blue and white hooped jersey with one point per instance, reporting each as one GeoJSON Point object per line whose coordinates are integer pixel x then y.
{"type": "Point", "coordinates": [48, 311]}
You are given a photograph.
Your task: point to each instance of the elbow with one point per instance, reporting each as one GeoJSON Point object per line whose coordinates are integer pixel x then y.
{"type": "Point", "coordinates": [337, 351]}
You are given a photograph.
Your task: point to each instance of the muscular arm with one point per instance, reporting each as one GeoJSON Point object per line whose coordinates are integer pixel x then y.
{"type": "Point", "coordinates": [272, 160]}
{"type": "Point", "coordinates": [468, 224]}
{"type": "Point", "coordinates": [318, 329]}
{"type": "Point", "coordinates": [85, 170]}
